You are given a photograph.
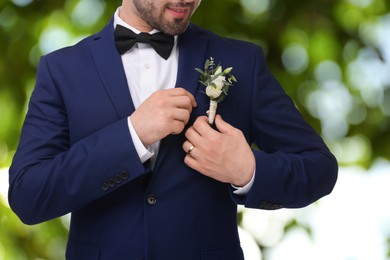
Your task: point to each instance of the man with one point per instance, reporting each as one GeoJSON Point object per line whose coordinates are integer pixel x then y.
{"type": "Point", "coordinates": [119, 138]}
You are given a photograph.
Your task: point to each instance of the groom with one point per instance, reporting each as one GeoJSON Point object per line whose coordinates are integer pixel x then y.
{"type": "Point", "coordinates": [116, 135]}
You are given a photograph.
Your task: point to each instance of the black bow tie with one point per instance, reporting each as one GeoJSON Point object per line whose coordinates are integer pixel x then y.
{"type": "Point", "coordinates": [126, 38]}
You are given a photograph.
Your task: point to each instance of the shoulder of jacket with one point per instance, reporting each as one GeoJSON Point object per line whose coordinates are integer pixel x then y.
{"type": "Point", "coordinates": [221, 40]}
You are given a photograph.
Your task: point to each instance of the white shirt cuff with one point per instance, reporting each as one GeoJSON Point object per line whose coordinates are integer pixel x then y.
{"type": "Point", "coordinates": [144, 153]}
{"type": "Point", "coordinates": [244, 190]}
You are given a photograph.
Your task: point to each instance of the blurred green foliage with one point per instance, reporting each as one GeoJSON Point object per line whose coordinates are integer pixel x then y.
{"type": "Point", "coordinates": [331, 56]}
{"type": "Point", "coordinates": [17, 242]}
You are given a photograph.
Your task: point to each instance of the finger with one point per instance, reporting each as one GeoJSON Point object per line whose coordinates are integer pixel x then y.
{"type": "Point", "coordinates": [182, 92]}
{"type": "Point", "coordinates": [183, 102]}
{"type": "Point", "coordinates": [176, 127]}
{"type": "Point", "coordinates": [191, 161]}
{"type": "Point", "coordinates": [188, 148]}
{"type": "Point", "coordinates": [202, 126]}
{"type": "Point", "coordinates": [222, 125]}
{"type": "Point", "coordinates": [193, 136]}
{"type": "Point", "coordinates": [186, 145]}
{"type": "Point", "coordinates": [182, 115]}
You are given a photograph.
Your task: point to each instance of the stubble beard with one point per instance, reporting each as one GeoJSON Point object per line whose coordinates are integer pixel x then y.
{"type": "Point", "coordinates": [150, 14]}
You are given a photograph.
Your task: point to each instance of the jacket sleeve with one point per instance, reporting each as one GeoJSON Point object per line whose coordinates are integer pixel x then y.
{"type": "Point", "coordinates": [294, 167]}
{"type": "Point", "coordinates": [50, 176]}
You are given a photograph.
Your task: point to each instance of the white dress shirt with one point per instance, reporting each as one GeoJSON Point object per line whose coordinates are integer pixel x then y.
{"type": "Point", "coordinates": [147, 72]}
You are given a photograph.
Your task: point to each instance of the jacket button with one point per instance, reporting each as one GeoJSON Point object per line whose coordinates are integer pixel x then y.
{"type": "Point", "coordinates": [265, 205]}
{"type": "Point", "coordinates": [124, 175]}
{"type": "Point", "coordinates": [104, 186]}
{"type": "Point", "coordinates": [268, 205]}
{"type": "Point", "coordinates": [118, 179]}
{"type": "Point", "coordinates": [151, 199]}
{"type": "Point", "coordinates": [111, 182]}
{"type": "Point", "coordinates": [276, 206]}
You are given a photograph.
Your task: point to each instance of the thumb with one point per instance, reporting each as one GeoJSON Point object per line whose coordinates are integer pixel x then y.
{"type": "Point", "coordinates": [221, 125]}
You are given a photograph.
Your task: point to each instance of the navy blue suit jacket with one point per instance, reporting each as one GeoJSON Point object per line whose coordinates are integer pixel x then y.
{"type": "Point", "coordinates": [76, 155]}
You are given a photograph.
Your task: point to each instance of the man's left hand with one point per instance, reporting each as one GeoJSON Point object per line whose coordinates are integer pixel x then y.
{"type": "Point", "coordinates": [223, 155]}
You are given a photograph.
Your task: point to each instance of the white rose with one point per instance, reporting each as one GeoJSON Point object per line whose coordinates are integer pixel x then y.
{"type": "Point", "coordinates": [213, 92]}
{"type": "Point", "coordinates": [219, 81]}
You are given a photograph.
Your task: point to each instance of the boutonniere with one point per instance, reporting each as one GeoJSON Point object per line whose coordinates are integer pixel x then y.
{"type": "Point", "coordinates": [217, 82]}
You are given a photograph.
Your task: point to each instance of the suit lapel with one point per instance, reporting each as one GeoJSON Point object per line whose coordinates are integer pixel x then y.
{"type": "Point", "coordinates": [192, 54]}
{"type": "Point", "coordinates": [192, 50]}
{"type": "Point", "coordinates": [110, 68]}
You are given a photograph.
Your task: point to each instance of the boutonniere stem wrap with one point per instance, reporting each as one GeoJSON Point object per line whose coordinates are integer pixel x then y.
{"type": "Point", "coordinates": [217, 82]}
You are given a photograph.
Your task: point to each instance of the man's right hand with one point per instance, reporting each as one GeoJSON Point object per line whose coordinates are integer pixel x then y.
{"type": "Point", "coordinates": [164, 112]}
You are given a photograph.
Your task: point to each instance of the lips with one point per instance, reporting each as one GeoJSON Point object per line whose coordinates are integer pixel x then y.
{"type": "Point", "coordinates": [178, 9]}
{"type": "Point", "coordinates": [178, 12]}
